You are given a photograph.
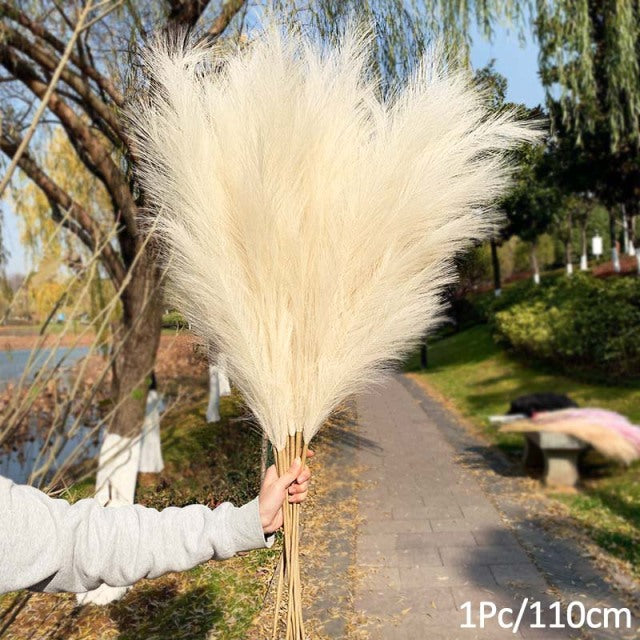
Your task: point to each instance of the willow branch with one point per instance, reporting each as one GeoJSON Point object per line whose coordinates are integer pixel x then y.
{"type": "Point", "coordinates": [188, 12]}
{"type": "Point", "coordinates": [45, 97]}
{"type": "Point", "coordinates": [226, 15]}
{"type": "Point", "coordinates": [87, 69]}
{"type": "Point", "coordinates": [78, 220]}
{"type": "Point", "coordinates": [47, 61]}
{"type": "Point", "coordinates": [92, 149]}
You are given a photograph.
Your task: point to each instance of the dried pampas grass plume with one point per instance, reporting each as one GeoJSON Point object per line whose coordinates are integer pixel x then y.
{"type": "Point", "coordinates": [309, 226]}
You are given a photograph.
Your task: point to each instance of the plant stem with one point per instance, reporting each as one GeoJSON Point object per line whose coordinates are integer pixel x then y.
{"type": "Point", "coordinates": [290, 567]}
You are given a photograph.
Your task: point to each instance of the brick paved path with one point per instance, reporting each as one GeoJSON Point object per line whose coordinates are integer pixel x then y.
{"type": "Point", "coordinates": [431, 538]}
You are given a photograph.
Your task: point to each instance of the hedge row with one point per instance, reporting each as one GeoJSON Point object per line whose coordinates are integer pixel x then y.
{"type": "Point", "coordinates": [575, 323]}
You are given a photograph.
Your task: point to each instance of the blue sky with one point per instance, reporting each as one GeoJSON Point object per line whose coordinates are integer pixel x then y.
{"type": "Point", "coordinates": [10, 236]}
{"type": "Point", "coordinates": [519, 64]}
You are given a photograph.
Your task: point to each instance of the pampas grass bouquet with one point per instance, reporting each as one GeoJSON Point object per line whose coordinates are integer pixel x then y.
{"type": "Point", "coordinates": [309, 226]}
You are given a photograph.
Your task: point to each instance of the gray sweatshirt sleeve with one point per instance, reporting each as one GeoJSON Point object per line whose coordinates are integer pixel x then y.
{"type": "Point", "coordinates": [51, 545]}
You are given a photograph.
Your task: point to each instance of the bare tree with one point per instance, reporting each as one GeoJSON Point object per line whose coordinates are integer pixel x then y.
{"type": "Point", "coordinates": [87, 102]}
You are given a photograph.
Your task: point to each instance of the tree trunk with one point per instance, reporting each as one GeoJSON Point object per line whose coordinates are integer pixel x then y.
{"type": "Point", "coordinates": [138, 341]}
{"type": "Point", "coordinates": [625, 229]}
{"type": "Point", "coordinates": [534, 262]}
{"type": "Point", "coordinates": [223, 378]}
{"type": "Point", "coordinates": [568, 244]}
{"type": "Point", "coordinates": [495, 261]}
{"type": "Point", "coordinates": [151, 447]}
{"type": "Point", "coordinates": [584, 260]}
{"type": "Point", "coordinates": [568, 258]}
{"type": "Point", "coordinates": [631, 235]}
{"type": "Point", "coordinates": [615, 258]}
{"type": "Point", "coordinates": [424, 360]}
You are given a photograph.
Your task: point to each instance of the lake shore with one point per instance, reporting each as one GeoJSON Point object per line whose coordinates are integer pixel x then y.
{"type": "Point", "coordinates": [18, 338]}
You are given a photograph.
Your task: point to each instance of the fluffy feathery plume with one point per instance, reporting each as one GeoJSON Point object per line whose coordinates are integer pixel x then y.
{"type": "Point", "coordinates": [310, 226]}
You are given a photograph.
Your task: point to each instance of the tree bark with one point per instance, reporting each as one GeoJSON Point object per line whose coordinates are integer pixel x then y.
{"type": "Point", "coordinates": [136, 341]}
{"type": "Point", "coordinates": [151, 446]}
{"type": "Point", "coordinates": [631, 235]}
{"type": "Point", "coordinates": [568, 244]}
{"type": "Point", "coordinates": [495, 261]}
{"type": "Point", "coordinates": [223, 378]}
{"type": "Point", "coordinates": [213, 408]}
{"type": "Point", "coordinates": [625, 229]}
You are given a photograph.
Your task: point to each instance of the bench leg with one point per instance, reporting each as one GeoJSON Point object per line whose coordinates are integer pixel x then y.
{"type": "Point", "coordinates": [561, 468]}
{"type": "Point", "coordinates": [532, 457]}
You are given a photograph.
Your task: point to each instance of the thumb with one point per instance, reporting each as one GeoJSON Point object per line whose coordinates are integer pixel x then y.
{"type": "Point", "coordinates": [289, 476]}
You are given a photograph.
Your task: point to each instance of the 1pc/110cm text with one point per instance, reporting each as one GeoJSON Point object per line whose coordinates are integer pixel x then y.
{"type": "Point", "coordinates": [574, 616]}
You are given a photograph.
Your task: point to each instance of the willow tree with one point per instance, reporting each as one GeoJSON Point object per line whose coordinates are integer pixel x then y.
{"type": "Point", "coordinates": [532, 201]}
{"type": "Point", "coordinates": [589, 54]}
{"type": "Point", "coordinates": [590, 68]}
{"type": "Point", "coordinates": [495, 85]}
{"type": "Point", "coordinates": [403, 28]}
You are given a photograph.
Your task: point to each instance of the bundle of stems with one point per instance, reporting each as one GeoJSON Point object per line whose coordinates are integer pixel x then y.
{"type": "Point", "coordinates": [309, 226]}
{"type": "Point", "coordinates": [289, 576]}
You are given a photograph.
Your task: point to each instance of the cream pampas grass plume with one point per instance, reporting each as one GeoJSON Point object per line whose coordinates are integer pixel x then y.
{"type": "Point", "coordinates": [310, 227]}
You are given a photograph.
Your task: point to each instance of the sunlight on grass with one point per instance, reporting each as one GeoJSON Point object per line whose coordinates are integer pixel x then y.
{"type": "Point", "coordinates": [480, 379]}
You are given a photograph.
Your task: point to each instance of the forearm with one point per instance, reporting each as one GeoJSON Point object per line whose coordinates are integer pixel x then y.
{"type": "Point", "coordinates": [51, 545]}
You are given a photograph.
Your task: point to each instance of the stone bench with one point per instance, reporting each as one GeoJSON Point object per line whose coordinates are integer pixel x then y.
{"type": "Point", "coordinates": [557, 453]}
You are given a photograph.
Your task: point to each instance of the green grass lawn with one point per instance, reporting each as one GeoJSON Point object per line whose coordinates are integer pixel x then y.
{"type": "Point", "coordinates": [479, 379]}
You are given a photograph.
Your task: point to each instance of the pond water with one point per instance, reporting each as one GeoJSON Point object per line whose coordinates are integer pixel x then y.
{"type": "Point", "coordinates": [13, 363]}
{"type": "Point", "coordinates": [18, 463]}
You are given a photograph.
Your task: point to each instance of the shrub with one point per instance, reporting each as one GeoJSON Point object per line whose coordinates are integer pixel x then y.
{"type": "Point", "coordinates": [579, 322]}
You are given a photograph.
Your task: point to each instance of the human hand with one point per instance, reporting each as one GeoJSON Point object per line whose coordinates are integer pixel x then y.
{"type": "Point", "coordinates": [294, 484]}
